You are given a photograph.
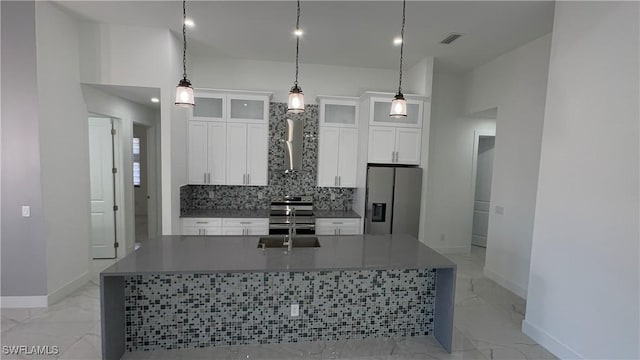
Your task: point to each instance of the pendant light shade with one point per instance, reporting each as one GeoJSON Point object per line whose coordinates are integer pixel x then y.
{"type": "Point", "coordinates": [398, 106]}
{"type": "Point", "coordinates": [296, 100]}
{"type": "Point", "coordinates": [184, 91]}
{"type": "Point", "coordinates": [399, 103]}
{"type": "Point", "coordinates": [295, 104]}
{"type": "Point", "coordinates": [184, 94]}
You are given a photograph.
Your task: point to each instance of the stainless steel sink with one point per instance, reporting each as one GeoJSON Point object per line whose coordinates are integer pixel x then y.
{"type": "Point", "coordinates": [298, 242]}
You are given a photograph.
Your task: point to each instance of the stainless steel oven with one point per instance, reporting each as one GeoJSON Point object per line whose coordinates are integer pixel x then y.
{"type": "Point", "coordinates": [282, 215]}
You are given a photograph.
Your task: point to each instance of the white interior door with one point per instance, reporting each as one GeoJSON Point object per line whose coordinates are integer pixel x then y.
{"type": "Point", "coordinates": [103, 227]}
{"type": "Point", "coordinates": [482, 199]}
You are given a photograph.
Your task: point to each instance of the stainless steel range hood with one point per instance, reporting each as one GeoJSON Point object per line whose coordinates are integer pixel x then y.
{"type": "Point", "coordinates": [293, 146]}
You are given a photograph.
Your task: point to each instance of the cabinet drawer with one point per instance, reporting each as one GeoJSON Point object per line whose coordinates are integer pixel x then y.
{"type": "Point", "coordinates": [201, 222]}
{"type": "Point", "coordinates": [245, 222]}
{"type": "Point", "coordinates": [338, 222]}
{"type": "Point", "coordinates": [193, 230]}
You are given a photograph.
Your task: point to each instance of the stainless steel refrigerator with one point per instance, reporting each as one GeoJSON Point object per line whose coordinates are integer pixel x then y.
{"type": "Point", "coordinates": [393, 200]}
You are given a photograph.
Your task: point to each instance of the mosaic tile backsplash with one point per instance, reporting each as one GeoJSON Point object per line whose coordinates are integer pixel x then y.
{"type": "Point", "coordinates": [197, 197]}
{"type": "Point", "coordinates": [174, 311]}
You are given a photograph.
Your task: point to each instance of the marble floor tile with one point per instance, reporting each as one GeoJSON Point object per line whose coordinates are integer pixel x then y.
{"type": "Point", "coordinates": [486, 327]}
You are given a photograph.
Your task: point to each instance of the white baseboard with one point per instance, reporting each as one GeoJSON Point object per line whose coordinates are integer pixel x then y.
{"type": "Point", "coordinates": [507, 284]}
{"type": "Point", "coordinates": [11, 302]}
{"type": "Point", "coordinates": [68, 288]}
{"type": "Point", "coordinates": [452, 250]}
{"type": "Point", "coordinates": [549, 342]}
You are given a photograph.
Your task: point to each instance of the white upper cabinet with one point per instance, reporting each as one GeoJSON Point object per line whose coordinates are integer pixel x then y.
{"type": "Point", "coordinates": [380, 108]}
{"type": "Point", "coordinates": [206, 152]}
{"type": "Point", "coordinates": [338, 111]}
{"type": "Point", "coordinates": [338, 141]}
{"type": "Point", "coordinates": [389, 145]}
{"type": "Point", "coordinates": [210, 106]}
{"type": "Point", "coordinates": [247, 154]}
{"type": "Point", "coordinates": [248, 108]}
{"type": "Point", "coordinates": [228, 138]}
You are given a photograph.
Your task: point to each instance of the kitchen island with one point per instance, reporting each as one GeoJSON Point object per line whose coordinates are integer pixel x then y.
{"type": "Point", "coordinates": [197, 291]}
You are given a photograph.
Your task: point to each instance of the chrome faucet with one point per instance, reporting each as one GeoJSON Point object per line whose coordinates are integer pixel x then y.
{"type": "Point", "coordinates": [292, 230]}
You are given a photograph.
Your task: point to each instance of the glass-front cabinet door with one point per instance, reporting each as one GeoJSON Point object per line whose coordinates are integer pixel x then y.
{"type": "Point", "coordinates": [338, 111]}
{"type": "Point", "coordinates": [248, 108]}
{"type": "Point", "coordinates": [210, 106]}
{"type": "Point", "coordinates": [380, 108]}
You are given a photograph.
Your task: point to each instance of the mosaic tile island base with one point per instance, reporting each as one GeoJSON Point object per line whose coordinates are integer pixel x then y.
{"type": "Point", "coordinates": [187, 292]}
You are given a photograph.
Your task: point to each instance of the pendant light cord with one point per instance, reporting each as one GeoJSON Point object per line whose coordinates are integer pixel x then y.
{"type": "Point", "coordinates": [295, 83]}
{"type": "Point", "coordinates": [404, 4]}
{"type": "Point", "coordinates": [184, 39]}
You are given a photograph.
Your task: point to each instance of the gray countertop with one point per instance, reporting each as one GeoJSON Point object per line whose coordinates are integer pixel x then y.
{"type": "Point", "coordinates": [203, 254]}
{"type": "Point", "coordinates": [262, 213]}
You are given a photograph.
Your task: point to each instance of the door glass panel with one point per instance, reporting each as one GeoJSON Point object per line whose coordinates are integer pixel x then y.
{"type": "Point", "coordinates": [381, 112]}
{"type": "Point", "coordinates": [247, 109]}
{"type": "Point", "coordinates": [339, 114]}
{"type": "Point", "coordinates": [208, 107]}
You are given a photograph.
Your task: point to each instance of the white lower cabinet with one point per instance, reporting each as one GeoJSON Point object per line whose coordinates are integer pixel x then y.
{"type": "Point", "coordinates": [245, 226]}
{"type": "Point", "coordinates": [202, 226]}
{"type": "Point", "coordinates": [338, 226]}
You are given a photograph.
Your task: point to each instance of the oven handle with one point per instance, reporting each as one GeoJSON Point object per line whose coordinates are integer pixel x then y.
{"type": "Point", "coordinates": [298, 226]}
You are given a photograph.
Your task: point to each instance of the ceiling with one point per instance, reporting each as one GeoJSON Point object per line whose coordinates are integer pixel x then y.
{"type": "Point", "coordinates": [137, 94]}
{"type": "Point", "coordinates": [349, 33]}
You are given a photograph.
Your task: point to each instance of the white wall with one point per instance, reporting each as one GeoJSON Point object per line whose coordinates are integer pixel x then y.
{"type": "Point", "coordinates": [127, 113]}
{"type": "Point", "coordinates": [223, 73]}
{"type": "Point", "coordinates": [24, 272]}
{"type": "Point", "coordinates": [147, 57]}
{"type": "Point", "coordinates": [448, 209]}
{"type": "Point", "coordinates": [63, 149]}
{"type": "Point", "coordinates": [516, 84]}
{"type": "Point", "coordinates": [584, 284]}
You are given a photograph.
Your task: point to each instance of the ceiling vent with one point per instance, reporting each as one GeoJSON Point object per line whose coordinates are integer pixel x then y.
{"type": "Point", "coordinates": [450, 38]}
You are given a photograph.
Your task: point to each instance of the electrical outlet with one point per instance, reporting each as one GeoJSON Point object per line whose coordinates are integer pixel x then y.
{"type": "Point", "coordinates": [295, 310]}
{"type": "Point", "coordinates": [26, 211]}
{"type": "Point", "coordinates": [211, 194]}
{"type": "Point", "coordinates": [333, 196]}
{"type": "Point", "coordinates": [442, 237]}
{"type": "Point", "coordinates": [500, 210]}
{"type": "Point", "coordinates": [260, 195]}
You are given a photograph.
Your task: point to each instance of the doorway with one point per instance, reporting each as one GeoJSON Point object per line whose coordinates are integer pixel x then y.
{"type": "Point", "coordinates": [483, 153]}
{"type": "Point", "coordinates": [140, 183]}
{"type": "Point", "coordinates": [105, 187]}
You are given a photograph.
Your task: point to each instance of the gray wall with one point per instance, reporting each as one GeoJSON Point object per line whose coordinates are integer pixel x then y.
{"type": "Point", "coordinates": [23, 239]}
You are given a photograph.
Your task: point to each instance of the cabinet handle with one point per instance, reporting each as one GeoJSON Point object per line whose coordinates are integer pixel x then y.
{"type": "Point", "coordinates": [208, 178]}
{"type": "Point", "coordinates": [245, 222]}
{"type": "Point", "coordinates": [335, 180]}
{"type": "Point", "coordinates": [244, 179]}
{"type": "Point", "coordinates": [248, 179]}
{"type": "Point", "coordinates": [335, 231]}
{"type": "Point", "coordinates": [339, 231]}
{"type": "Point", "coordinates": [204, 181]}
{"type": "Point", "coordinates": [339, 181]}
{"type": "Point", "coordinates": [202, 222]}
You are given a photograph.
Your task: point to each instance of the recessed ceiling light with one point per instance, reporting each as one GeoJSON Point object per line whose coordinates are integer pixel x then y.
{"type": "Point", "coordinates": [397, 41]}
{"type": "Point", "coordinates": [155, 100]}
{"type": "Point", "coordinates": [189, 22]}
{"type": "Point", "coordinates": [298, 32]}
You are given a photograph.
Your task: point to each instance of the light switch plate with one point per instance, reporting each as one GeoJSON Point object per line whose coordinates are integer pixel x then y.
{"type": "Point", "coordinates": [295, 310]}
{"type": "Point", "coordinates": [26, 211]}
{"type": "Point", "coordinates": [499, 210]}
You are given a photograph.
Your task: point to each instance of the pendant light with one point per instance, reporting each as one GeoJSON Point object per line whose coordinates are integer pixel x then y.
{"type": "Point", "coordinates": [296, 97]}
{"type": "Point", "coordinates": [399, 104]}
{"type": "Point", "coordinates": [184, 91]}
